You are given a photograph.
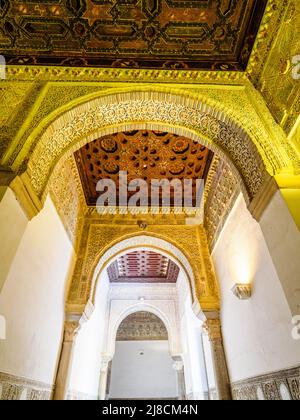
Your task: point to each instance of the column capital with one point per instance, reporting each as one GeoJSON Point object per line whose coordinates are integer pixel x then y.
{"type": "Point", "coordinates": [213, 328]}
{"type": "Point", "coordinates": [104, 366]}
{"type": "Point", "coordinates": [71, 327]}
{"type": "Point", "coordinates": [178, 365]}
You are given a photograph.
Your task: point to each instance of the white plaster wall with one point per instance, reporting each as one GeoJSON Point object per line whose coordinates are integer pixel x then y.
{"type": "Point", "coordinates": [257, 332]}
{"type": "Point", "coordinates": [89, 345]}
{"type": "Point", "coordinates": [13, 223]}
{"type": "Point", "coordinates": [150, 375]}
{"type": "Point", "coordinates": [283, 240]}
{"type": "Point", "coordinates": [32, 298]}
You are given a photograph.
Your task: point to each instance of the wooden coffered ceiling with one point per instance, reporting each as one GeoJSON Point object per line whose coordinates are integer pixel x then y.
{"type": "Point", "coordinates": [166, 34]}
{"type": "Point", "coordinates": [143, 267]}
{"type": "Point", "coordinates": [143, 154]}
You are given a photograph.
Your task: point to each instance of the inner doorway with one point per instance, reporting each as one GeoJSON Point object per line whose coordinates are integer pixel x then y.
{"type": "Point", "coordinates": [142, 367]}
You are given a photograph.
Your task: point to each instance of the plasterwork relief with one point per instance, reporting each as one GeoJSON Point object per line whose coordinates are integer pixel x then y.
{"type": "Point", "coordinates": [15, 97]}
{"type": "Point", "coordinates": [270, 386]}
{"type": "Point", "coordinates": [51, 101]}
{"type": "Point", "coordinates": [273, 58]}
{"type": "Point", "coordinates": [237, 100]}
{"type": "Point", "coordinates": [76, 82]}
{"type": "Point", "coordinates": [267, 33]}
{"type": "Point", "coordinates": [55, 96]}
{"type": "Point", "coordinates": [66, 191]}
{"type": "Point", "coordinates": [222, 193]}
{"type": "Point", "coordinates": [17, 388]}
{"type": "Point", "coordinates": [244, 156]}
{"type": "Point", "coordinates": [145, 110]}
{"type": "Point", "coordinates": [96, 238]}
{"type": "Point", "coordinates": [141, 326]}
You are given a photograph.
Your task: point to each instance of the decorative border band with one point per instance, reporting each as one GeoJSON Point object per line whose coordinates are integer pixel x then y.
{"type": "Point", "coordinates": [18, 388]}
{"type": "Point", "coordinates": [281, 385]}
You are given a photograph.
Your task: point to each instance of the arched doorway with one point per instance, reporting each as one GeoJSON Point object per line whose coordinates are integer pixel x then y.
{"type": "Point", "coordinates": [143, 309]}
{"type": "Point", "coordinates": [226, 125]}
{"type": "Point", "coordinates": [142, 367]}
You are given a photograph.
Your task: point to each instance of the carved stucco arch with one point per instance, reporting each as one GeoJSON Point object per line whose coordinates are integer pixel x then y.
{"type": "Point", "coordinates": [143, 241]}
{"type": "Point", "coordinates": [171, 110]}
{"type": "Point", "coordinates": [163, 314]}
{"type": "Point", "coordinates": [188, 244]}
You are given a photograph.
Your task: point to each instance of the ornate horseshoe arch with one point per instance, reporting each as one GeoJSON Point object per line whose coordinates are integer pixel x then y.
{"type": "Point", "coordinates": [101, 250]}
{"type": "Point", "coordinates": [249, 157]}
{"type": "Point", "coordinates": [135, 242]}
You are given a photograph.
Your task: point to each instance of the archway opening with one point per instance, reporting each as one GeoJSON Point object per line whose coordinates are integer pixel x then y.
{"type": "Point", "coordinates": [143, 304]}
{"type": "Point", "coordinates": [142, 367]}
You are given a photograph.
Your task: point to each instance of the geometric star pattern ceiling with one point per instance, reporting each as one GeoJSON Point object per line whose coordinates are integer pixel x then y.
{"type": "Point", "coordinates": [144, 155]}
{"type": "Point", "coordinates": [143, 267]}
{"type": "Point", "coordinates": [168, 34]}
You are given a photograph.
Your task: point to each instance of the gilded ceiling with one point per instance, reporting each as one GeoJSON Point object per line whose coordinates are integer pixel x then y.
{"type": "Point", "coordinates": [143, 154]}
{"type": "Point", "coordinates": [168, 34]}
{"type": "Point", "coordinates": [143, 267]}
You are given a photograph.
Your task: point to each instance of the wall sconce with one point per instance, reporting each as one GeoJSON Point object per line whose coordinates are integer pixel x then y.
{"type": "Point", "coordinates": [242, 291]}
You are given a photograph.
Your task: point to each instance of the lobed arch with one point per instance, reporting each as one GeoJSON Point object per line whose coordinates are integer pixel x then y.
{"type": "Point", "coordinates": [251, 154]}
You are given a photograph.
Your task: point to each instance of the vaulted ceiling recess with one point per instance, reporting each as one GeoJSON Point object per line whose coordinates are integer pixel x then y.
{"type": "Point", "coordinates": [143, 154]}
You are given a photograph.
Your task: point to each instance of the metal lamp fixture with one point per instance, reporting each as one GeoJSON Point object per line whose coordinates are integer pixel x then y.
{"type": "Point", "coordinates": [242, 291]}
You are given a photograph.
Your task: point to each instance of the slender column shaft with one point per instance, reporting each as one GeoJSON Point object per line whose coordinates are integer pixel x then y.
{"type": "Point", "coordinates": [71, 329]}
{"type": "Point", "coordinates": [179, 368]}
{"type": "Point", "coordinates": [103, 381]}
{"type": "Point", "coordinates": [213, 328]}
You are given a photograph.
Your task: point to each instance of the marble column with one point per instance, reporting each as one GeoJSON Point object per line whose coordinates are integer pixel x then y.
{"type": "Point", "coordinates": [178, 366]}
{"type": "Point", "coordinates": [213, 329]}
{"type": "Point", "coordinates": [71, 328]}
{"type": "Point", "coordinates": [103, 380]}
